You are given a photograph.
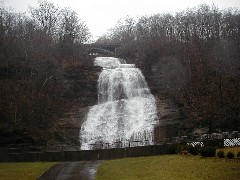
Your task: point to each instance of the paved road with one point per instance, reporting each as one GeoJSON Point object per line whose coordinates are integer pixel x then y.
{"type": "Point", "coordinates": [83, 170]}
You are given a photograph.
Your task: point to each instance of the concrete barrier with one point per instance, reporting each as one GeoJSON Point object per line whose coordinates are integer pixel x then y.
{"type": "Point", "coordinates": [85, 155]}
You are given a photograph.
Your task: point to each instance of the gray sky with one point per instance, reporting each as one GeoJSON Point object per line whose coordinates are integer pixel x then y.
{"type": "Point", "coordinates": [100, 15]}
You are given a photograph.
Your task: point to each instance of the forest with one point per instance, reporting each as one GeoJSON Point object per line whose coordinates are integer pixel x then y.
{"type": "Point", "coordinates": [192, 55]}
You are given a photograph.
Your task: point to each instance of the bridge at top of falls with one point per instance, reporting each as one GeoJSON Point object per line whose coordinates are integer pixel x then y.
{"type": "Point", "coordinates": [102, 49]}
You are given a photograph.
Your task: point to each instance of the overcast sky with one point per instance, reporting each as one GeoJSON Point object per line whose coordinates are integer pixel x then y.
{"type": "Point", "coordinates": [100, 15]}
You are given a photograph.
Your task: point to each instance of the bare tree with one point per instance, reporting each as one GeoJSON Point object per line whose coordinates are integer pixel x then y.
{"type": "Point", "coordinates": [46, 15]}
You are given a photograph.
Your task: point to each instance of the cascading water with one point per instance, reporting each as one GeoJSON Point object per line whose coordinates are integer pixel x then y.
{"type": "Point", "coordinates": [126, 110]}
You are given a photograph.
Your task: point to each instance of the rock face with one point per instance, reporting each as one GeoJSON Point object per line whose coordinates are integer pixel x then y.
{"type": "Point", "coordinates": [170, 118]}
{"type": "Point", "coordinates": [81, 84]}
{"type": "Point", "coordinates": [81, 88]}
{"type": "Point", "coordinates": [168, 112]}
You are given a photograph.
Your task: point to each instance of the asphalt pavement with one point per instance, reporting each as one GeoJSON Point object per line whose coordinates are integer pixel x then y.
{"type": "Point", "coordinates": [81, 170]}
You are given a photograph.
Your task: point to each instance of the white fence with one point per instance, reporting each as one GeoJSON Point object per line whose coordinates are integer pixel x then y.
{"type": "Point", "coordinates": [226, 142]}
{"type": "Point", "coordinates": [232, 142]}
{"type": "Point", "coordinates": [195, 144]}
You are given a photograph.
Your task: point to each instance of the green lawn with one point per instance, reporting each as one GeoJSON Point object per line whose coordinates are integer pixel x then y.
{"type": "Point", "coordinates": [23, 171]}
{"type": "Point", "coordinates": [169, 167]}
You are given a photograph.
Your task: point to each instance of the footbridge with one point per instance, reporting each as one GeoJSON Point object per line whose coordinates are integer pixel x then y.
{"type": "Point", "coordinates": [97, 49]}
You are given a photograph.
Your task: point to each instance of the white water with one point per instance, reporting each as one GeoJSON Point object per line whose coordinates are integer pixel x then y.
{"type": "Point", "coordinates": [126, 108]}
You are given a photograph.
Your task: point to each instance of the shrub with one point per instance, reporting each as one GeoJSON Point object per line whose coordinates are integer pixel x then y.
{"type": "Point", "coordinates": [173, 149]}
{"type": "Point", "coordinates": [220, 154]}
{"type": "Point", "coordinates": [193, 150]}
{"type": "Point", "coordinates": [176, 148]}
{"type": "Point", "coordinates": [230, 155]}
{"type": "Point", "coordinates": [213, 142]}
{"type": "Point", "coordinates": [208, 151]}
{"type": "Point", "coordinates": [184, 152]}
{"type": "Point", "coordinates": [182, 147]}
{"type": "Point", "coordinates": [238, 155]}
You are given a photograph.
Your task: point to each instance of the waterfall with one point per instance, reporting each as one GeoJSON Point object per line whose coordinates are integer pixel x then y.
{"type": "Point", "coordinates": [126, 109]}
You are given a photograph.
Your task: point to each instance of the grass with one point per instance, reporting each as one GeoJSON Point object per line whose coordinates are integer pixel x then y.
{"type": "Point", "coordinates": [169, 167]}
{"type": "Point", "coordinates": [23, 171]}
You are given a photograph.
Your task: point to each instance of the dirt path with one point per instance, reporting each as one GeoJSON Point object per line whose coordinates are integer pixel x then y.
{"type": "Point", "coordinates": [84, 170]}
